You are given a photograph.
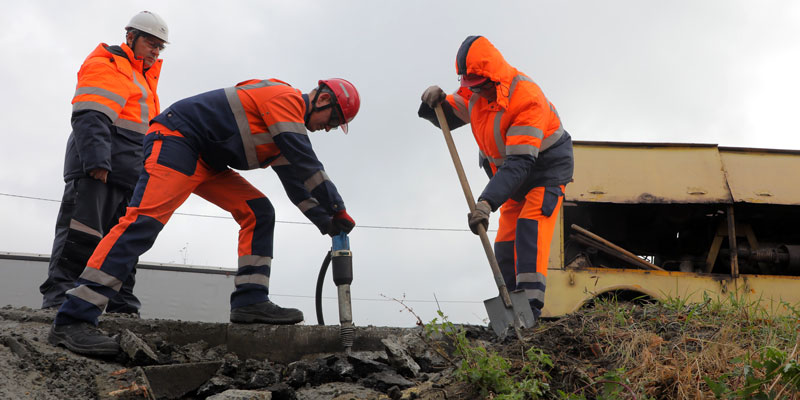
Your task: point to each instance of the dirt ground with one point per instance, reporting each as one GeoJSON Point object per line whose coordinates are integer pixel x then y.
{"type": "Point", "coordinates": [664, 356]}
{"type": "Point", "coordinates": [30, 368]}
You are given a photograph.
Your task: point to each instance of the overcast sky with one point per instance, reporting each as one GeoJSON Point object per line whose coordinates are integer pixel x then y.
{"type": "Point", "coordinates": [722, 72]}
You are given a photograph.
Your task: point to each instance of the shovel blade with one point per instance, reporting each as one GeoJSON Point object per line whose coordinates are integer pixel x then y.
{"type": "Point", "coordinates": [501, 318]}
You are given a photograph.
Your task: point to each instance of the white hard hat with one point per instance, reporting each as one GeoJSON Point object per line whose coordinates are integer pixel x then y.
{"type": "Point", "coordinates": [150, 23]}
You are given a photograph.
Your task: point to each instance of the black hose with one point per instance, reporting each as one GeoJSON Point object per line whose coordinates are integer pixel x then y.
{"type": "Point", "coordinates": [320, 280]}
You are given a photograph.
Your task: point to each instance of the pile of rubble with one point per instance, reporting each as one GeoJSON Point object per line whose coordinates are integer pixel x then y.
{"type": "Point", "coordinates": [164, 359]}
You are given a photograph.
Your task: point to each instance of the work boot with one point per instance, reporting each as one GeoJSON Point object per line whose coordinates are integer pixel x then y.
{"type": "Point", "coordinates": [83, 338]}
{"type": "Point", "coordinates": [267, 313]}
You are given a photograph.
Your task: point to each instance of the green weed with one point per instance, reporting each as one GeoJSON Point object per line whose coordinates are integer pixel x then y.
{"type": "Point", "coordinates": [773, 375]}
{"type": "Point", "coordinates": [491, 373]}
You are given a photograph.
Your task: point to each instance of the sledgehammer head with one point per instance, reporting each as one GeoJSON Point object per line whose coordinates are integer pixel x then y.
{"type": "Point", "coordinates": [501, 318]}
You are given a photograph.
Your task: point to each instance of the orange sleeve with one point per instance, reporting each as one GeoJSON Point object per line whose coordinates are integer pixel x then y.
{"type": "Point", "coordinates": [460, 103]}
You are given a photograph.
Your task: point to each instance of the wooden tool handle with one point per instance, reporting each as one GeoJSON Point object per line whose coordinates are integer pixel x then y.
{"type": "Point", "coordinates": [462, 177]}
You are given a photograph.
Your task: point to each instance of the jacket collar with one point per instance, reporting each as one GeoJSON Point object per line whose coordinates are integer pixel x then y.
{"type": "Point", "coordinates": [125, 60]}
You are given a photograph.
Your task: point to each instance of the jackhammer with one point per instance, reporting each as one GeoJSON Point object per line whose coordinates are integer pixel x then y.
{"type": "Point", "coordinates": [342, 259]}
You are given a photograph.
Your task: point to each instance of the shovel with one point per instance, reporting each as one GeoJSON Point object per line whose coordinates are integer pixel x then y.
{"type": "Point", "coordinates": [506, 310]}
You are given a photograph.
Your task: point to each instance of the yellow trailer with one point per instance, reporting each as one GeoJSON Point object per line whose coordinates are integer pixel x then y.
{"type": "Point", "coordinates": [685, 221]}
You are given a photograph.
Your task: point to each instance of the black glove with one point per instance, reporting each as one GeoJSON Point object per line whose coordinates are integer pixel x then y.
{"type": "Point", "coordinates": [433, 96]}
{"type": "Point", "coordinates": [480, 216]}
{"type": "Point", "coordinates": [341, 222]}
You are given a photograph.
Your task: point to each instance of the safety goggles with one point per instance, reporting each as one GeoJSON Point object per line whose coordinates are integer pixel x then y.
{"type": "Point", "coordinates": [482, 86]}
{"type": "Point", "coordinates": [154, 43]}
{"type": "Point", "coordinates": [336, 117]}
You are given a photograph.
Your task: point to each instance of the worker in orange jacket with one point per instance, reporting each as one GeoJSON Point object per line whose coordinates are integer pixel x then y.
{"type": "Point", "coordinates": [525, 151]}
{"type": "Point", "coordinates": [192, 147]}
{"type": "Point", "coordinates": [114, 100]}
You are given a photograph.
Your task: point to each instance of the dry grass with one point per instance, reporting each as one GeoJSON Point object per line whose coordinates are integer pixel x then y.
{"type": "Point", "coordinates": [665, 351]}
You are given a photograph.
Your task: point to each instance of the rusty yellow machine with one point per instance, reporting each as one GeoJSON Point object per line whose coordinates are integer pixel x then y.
{"type": "Point", "coordinates": [687, 221]}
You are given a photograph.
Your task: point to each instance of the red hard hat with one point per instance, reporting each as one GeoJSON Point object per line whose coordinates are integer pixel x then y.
{"type": "Point", "coordinates": [346, 96]}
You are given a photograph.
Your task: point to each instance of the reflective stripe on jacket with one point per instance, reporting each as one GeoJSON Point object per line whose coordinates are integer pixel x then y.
{"type": "Point", "coordinates": [113, 103]}
{"type": "Point", "coordinates": [258, 124]}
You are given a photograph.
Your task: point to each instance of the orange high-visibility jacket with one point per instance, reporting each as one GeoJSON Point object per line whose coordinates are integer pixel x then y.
{"type": "Point", "coordinates": [519, 135]}
{"type": "Point", "coordinates": [258, 124]}
{"type": "Point", "coordinates": [114, 100]}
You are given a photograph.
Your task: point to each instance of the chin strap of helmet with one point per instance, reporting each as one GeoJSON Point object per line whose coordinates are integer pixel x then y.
{"type": "Point", "coordinates": [313, 107]}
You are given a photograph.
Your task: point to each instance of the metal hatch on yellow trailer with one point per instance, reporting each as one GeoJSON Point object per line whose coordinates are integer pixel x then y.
{"type": "Point", "coordinates": [682, 208]}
